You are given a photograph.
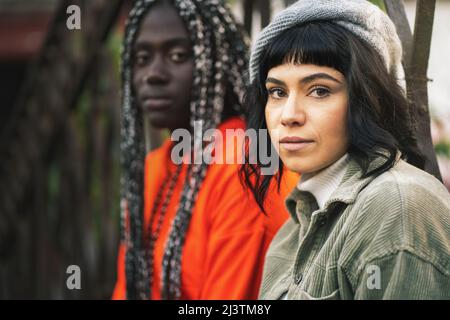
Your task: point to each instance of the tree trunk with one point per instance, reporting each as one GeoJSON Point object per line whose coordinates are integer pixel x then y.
{"type": "Point", "coordinates": [416, 52]}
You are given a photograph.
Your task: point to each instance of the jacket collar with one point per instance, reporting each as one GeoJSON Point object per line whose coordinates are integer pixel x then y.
{"type": "Point", "coordinates": [300, 203]}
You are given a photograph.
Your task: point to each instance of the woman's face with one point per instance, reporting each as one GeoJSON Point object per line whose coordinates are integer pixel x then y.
{"type": "Point", "coordinates": [306, 114]}
{"type": "Point", "coordinates": [163, 68]}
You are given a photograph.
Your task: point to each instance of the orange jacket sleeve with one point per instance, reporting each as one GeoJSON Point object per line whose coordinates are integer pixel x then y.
{"type": "Point", "coordinates": [120, 287]}
{"type": "Point", "coordinates": [239, 237]}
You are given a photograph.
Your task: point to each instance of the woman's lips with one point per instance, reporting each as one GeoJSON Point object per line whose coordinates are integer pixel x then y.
{"type": "Point", "coordinates": [294, 143]}
{"type": "Point", "coordinates": [294, 146]}
{"type": "Point", "coordinates": [150, 104]}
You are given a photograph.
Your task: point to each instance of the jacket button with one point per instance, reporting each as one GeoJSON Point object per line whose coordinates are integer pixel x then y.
{"type": "Point", "coordinates": [298, 278]}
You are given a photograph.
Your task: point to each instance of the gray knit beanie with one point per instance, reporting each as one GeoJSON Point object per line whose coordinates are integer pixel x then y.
{"type": "Point", "coordinates": [360, 17]}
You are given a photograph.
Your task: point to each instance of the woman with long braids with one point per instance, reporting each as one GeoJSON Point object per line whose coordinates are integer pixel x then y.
{"type": "Point", "coordinates": [365, 221]}
{"type": "Point", "coordinates": [189, 231]}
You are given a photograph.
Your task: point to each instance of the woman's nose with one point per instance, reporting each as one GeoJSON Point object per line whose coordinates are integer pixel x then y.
{"type": "Point", "coordinates": [156, 72]}
{"type": "Point", "coordinates": [293, 113]}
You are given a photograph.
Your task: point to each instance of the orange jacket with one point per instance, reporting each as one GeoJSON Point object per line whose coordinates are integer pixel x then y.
{"type": "Point", "coordinates": [228, 235]}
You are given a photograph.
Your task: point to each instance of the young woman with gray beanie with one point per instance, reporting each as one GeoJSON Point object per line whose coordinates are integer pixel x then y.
{"type": "Point", "coordinates": [366, 222]}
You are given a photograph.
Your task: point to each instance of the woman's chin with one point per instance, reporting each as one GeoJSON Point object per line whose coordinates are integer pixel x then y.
{"type": "Point", "coordinates": [293, 165]}
{"type": "Point", "coordinates": [296, 164]}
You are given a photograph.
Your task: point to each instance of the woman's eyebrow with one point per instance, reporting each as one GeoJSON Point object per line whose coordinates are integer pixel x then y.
{"type": "Point", "coordinates": [316, 76]}
{"type": "Point", "coordinates": [276, 81]}
{"type": "Point", "coordinates": [306, 79]}
{"type": "Point", "coordinates": [145, 45]}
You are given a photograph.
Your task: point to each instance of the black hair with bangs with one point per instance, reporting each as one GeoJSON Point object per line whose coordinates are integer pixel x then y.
{"type": "Point", "coordinates": [378, 119]}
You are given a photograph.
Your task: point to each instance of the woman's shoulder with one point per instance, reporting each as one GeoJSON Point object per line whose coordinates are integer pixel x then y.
{"type": "Point", "coordinates": [404, 208]}
{"type": "Point", "coordinates": [408, 193]}
{"type": "Point", "coordinates": [411, 186]}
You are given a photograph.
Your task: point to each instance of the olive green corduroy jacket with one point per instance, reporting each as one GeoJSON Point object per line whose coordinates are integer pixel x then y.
{"type": "Point", "coordinates": [384, 237]}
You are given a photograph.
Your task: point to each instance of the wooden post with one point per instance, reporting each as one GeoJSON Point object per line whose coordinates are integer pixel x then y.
{"type": "Point", "coordinates": [416, 52]}
{"type": "Point", "coordinates": [265, 10]}
{"type": "Point", "coordinates": [248, 16]}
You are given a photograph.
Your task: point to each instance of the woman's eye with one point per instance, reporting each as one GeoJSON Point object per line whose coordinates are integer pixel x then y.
{"type": "Point", "coordinates": [276, 93]}
{"type": "Point", "coordinates": [141, 59]}
{"type": "Point", "coordinates": [320, 92]}
{"type": "Point", "coordinates": [179, 56]}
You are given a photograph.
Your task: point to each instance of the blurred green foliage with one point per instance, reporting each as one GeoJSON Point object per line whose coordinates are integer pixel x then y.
{"type": "Point", "coordinates": [379, 3]}
{"type": "Point", "coordinates": [443, 148]}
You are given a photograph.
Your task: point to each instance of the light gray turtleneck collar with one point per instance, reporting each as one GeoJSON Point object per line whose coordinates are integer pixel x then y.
{"type": "Point", "coordinates": [323, 184]}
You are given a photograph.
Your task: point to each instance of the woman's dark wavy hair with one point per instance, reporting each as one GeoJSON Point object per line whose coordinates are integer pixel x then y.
{"type": "Point", "coordinates": [378, 119]}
